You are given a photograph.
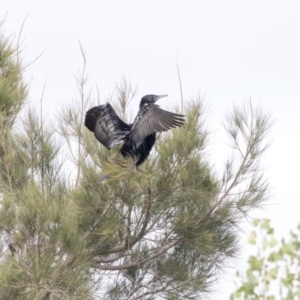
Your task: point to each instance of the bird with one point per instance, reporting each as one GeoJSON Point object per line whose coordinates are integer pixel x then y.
{"type": "Point", "coordinates": [137, 138]}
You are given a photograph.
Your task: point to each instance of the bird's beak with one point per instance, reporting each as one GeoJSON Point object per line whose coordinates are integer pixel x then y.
{"type": "Point", "coordinates": [159, 97]}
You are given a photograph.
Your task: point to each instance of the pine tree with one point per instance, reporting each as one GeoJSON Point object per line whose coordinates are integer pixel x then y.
{"type": "Point", "coordinates": [164, 232]}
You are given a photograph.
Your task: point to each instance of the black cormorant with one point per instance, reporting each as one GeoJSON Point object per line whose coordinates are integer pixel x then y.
{"type": "Point", "coordinates": [139, 137]}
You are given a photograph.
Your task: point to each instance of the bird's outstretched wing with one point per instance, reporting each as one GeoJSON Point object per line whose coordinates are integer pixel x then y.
{"type": "Point", "coordinates": [108, 128]}
{"type": "Point", "coordinates": [151, 118]}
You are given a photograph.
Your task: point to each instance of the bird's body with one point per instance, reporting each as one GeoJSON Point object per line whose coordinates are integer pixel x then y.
{"type": "Point", "coordinates": [139, 137]}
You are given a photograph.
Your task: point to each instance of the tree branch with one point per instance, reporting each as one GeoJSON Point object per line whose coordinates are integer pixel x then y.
{"type": "Point", "coordinates": [139, 262]}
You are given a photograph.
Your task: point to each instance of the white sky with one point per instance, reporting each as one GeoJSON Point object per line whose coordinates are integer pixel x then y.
{"type": "Point", "coordinates": [229, 50]}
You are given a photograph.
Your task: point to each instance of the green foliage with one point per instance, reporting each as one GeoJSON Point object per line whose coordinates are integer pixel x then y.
{"type": "Point", "coordinates": [163, 232]}
{"type": "Point", "coordinates": [13, 90]}
{"type": "Point", "coordinates": [273, 272]}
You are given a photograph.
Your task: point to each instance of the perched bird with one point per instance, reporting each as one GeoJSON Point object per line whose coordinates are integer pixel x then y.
{"type": "Point", "coordinates": [139, 137]}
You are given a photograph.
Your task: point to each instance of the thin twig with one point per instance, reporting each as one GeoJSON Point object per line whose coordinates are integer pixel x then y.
{"type": "Point", "coordinates": [180, 85]}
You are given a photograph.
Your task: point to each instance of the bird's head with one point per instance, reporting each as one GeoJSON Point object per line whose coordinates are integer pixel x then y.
{"type": "Point", "coordinates": [149, 99]}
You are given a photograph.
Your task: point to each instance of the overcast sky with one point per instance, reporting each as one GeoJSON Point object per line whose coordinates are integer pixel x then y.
{"type": "Point", "coordinates": [228, 50]}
